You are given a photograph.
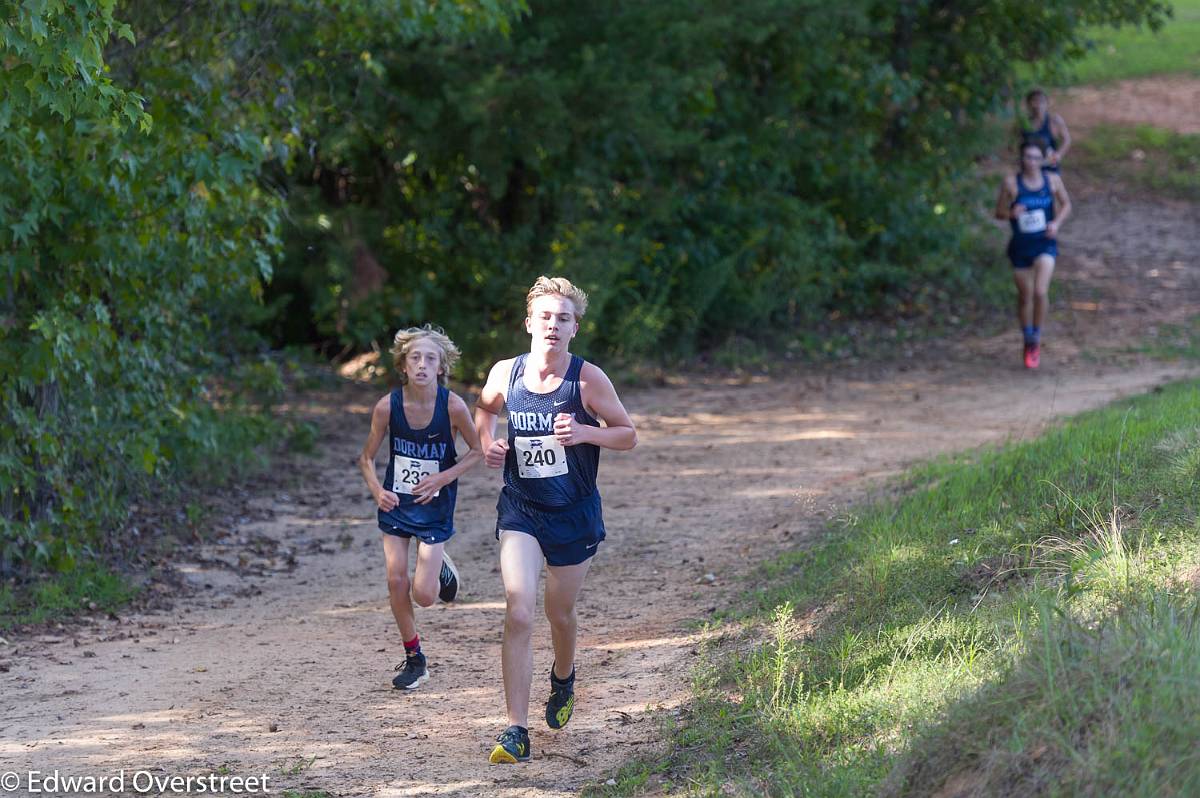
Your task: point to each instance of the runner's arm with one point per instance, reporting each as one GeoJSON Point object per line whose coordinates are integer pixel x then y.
{"type": "Point", "coordinates": [1008, 192]}
{"type": "Point", "coordinates": [380, 417]}
{"type": "Point", "coordinates": [1062, 202]}
{"type": "Point", "coordinates": [1058, 126]}
{"type": "Point", "coordinates": [487, 411]}
{"type": "Point", "coordinates": [600, 398]}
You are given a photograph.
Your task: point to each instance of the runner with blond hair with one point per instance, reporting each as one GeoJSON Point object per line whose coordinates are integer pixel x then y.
{"type": "Point", "coordinates": [549, 509]}
{"type": "Point", "coordinates": [416, 499]}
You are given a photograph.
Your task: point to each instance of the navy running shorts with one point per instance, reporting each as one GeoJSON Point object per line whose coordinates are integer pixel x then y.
{"type": "Point", "coordinates": [429, 536]}
{"type": "Point", "coordinates": [1023, 255]}
{"type": "Point", "coordinates": [567, 535]}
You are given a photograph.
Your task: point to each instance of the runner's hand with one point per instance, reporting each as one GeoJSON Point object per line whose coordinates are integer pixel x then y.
{"type": "Point", "coordinates": [386, 500]}
{"type": "Point", "coordinates": [1052, 230]}
{"type": "Point", "coordinates": [496, 453]}
{"type": "Point", "coordinates": [567, 429]}
{"type": "Point", "coordinates": [426, 490]}
{"type": "Point", "coordinates": [1016, 210]}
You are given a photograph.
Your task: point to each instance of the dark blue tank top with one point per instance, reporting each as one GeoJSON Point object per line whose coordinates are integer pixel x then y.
{"type": "Point", "coordinates": [414, 455]}
{"type": "Point", "coordinates": [1039, 211]}
{"type": "Point", "coordinates": [1047, 136]}
{"type": "Point", "coordinates": [1045, 133]}
{"type": "Point", "coordinates": [538, 469]}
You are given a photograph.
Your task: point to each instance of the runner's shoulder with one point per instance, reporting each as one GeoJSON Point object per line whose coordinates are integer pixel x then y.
{"type": "Point", "coordinates": [591, 374]}
{"type": "Point", "coordinates": [455, 403]}
{"type": "Point", "coordinates": [384, 406]}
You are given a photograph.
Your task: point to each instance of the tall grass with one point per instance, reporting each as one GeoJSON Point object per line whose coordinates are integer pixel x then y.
{"type": "Point", "coordinates": [913, 613]}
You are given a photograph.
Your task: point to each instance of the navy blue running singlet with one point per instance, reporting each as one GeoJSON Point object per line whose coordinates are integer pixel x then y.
{"type": "Point", "coordinates": [1030, 226]}
{"type": "Point", "coordinates": [1047, 136]}
{"type": "Point", "coordinates": [416, 454]}
{"type": "Point", "coordinates": [538, 468]}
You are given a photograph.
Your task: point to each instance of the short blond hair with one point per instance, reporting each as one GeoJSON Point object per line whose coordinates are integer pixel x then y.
{"type": "Point", "coordinates": [557, 286]}
{"type": "Point", "coordinates": [448, 352]}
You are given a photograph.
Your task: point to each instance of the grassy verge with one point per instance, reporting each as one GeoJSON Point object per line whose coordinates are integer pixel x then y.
{"type": "Point", "coordinates": [1131, 53]}
{"type": "Point", "coordinates": [1004, 623]}
{"type": "Point", "coordinates": [1172, 341]}
{"type": "Point", "coordinates": [90, 588]}
{"type": "Point", "coordinates": [1144, 156]}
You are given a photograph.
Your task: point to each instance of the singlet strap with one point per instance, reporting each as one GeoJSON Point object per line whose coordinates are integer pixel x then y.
{"type": "Point", "coordinates": [574, 369]}
{"type": "Point", "coordinates": [399, 421]}
{"type": "Point", "coordinates": [518, 370]}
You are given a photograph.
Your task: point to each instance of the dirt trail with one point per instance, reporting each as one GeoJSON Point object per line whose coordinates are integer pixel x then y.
{"type": "Point", "coordinates": [288, 672]}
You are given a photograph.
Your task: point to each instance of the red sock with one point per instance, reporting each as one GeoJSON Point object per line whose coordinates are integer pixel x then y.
{"type": "Point", "coordinates": [413, 646]}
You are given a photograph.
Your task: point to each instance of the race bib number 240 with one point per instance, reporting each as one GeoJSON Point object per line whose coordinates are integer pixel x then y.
{"type": "Point", "coordinates": [540, 457]}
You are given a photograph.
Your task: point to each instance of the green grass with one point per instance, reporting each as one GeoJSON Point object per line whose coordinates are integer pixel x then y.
{"type": "Point", "coordinates": [1132, 53]}
{"type": "Point", "coordinates": [1149, 157]}
{"type": "Point", "coordinates": [1175, 341]}
{"type": "Point", "coordinates": [995, 574]}
{"type": "Point", "coordinates": [91, 587]}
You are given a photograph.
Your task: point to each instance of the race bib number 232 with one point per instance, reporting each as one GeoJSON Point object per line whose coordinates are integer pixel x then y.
{"type": "Point", "coordinates": [409, 471]}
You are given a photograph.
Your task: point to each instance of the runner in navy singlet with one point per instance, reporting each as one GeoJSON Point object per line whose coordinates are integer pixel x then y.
{"type": "Point", "coordinates": [1035, 203]}
{"type": "Point", "coordinates": [562, 411]}
{"type": "Point", "coordinates": [1049, 127]}
{"type": "Point", "coordinates": [416, 499]}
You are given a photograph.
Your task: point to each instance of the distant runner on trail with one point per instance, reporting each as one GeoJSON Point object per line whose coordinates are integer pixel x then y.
{"type": "Point", "coordinates": [1047, 126]}
{"type": "Point", "coordinates": [1035, 203]}
{"type": "Point", "coordinates": [416, 499]}
{"type": "Point", "coordinates": [549, 509]}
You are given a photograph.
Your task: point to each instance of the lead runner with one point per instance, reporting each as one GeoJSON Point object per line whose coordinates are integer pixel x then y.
{"type": "Point", "coordinates": [549, 509]}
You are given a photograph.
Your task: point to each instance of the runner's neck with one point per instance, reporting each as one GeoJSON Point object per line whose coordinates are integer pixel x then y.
{"type": "Point", "coordinates": [548, 364]}
{"type": "Point", "coordinates": [420, 395]}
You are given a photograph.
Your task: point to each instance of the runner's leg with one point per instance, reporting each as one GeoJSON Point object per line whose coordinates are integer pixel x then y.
{"type": "Point", "coordinates": [520, 565]}
{"type": "Point", "coordinates": [1043, 270]}
{"type": "Point", "coordinates": [1024, 278]}
{"type": "Point", "coordinates": [395, 554]}
{"type": "Point", "coordinates": [425, 575]}
{"type": "Point", "coordinates": [563, 583]}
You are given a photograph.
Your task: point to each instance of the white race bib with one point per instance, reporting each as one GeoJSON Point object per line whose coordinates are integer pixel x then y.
{"type": "Point", "coordinates": [408, 471]}
{"type": "Point", "coordinates": [540, 457]}
{"type": "Point", "coordinates": [1032, 221]}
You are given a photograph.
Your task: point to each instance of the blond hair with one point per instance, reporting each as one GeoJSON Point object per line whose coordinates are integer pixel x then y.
{"type": "Point", "coordinates": [448, 352]}
{"type": "Point", "coordinates": [557, 286]}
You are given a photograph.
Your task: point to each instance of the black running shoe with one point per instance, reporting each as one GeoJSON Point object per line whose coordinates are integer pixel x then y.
{"type": "Point", "coordinates": [412, 673]}
{"type": "Point", "coordinates": [562, 700]}
{"type": "Point", "coordinates": [448, 580]}
{"type": "Point", "coordinates": [512, 746]}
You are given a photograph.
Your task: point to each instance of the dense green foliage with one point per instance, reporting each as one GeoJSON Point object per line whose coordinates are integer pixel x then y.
{"type": "Point", "coordinates": [138, 228]}
{"type": "Point", "coordinates": [702, 168]}
{"type": "Point", "coordinates": [1009, 618]}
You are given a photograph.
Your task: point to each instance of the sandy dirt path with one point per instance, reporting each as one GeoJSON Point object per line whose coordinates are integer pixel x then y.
{"type": "Point", "coordinates": [278, 660]}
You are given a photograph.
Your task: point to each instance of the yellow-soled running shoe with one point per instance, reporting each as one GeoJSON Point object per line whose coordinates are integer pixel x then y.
{"type": "Point", "coordinates": [512, 746]}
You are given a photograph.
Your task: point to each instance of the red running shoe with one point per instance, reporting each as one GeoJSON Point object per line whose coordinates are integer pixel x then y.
{"type": "Point", "coordinates": [1033, 354]}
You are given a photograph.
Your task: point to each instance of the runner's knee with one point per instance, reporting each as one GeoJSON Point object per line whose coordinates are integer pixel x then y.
{"type": "Point", "coordinates": [424, 597]}
{"type": "Point", "coordinates": [560, 616]}
{"type": "Point", "coordinates": [398, 584]}
{"type": "Point", "coordinates": [518, 617]}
